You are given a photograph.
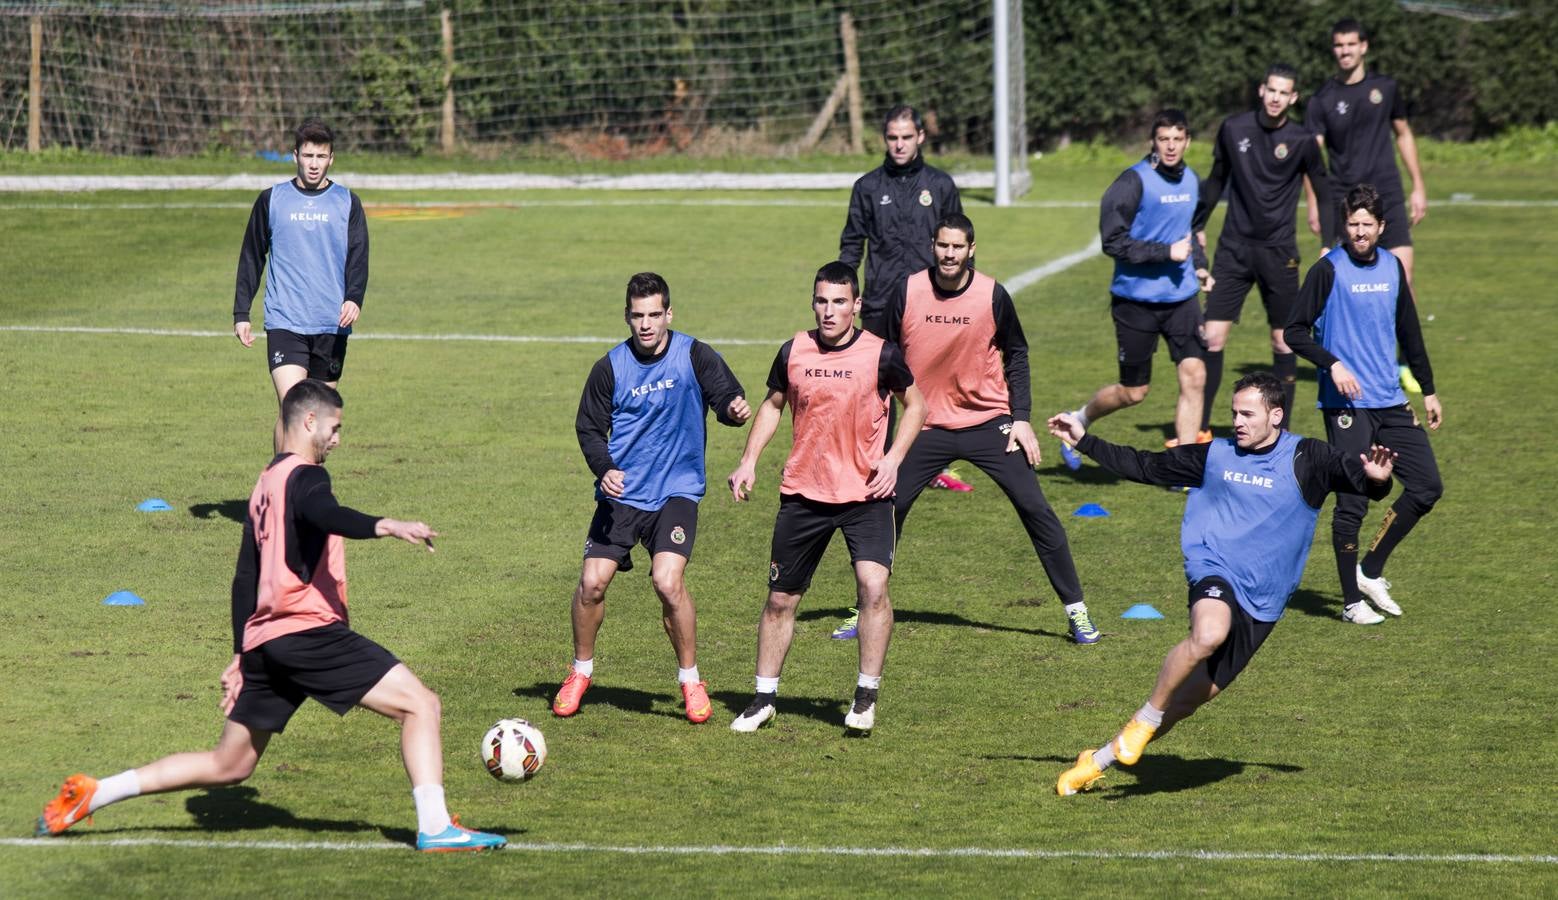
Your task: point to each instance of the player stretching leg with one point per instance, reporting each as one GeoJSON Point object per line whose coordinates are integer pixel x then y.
{"type": "Point", "coordinates": [836, 380]}
{"type": "Point", "coordinates": [1245, 536]}
{"type": "Point", "coordinates": [291, 641]}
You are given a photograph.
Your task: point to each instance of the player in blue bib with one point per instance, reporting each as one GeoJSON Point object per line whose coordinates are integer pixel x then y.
{"type": "Point", "coordinates": [641, 427]}
{"type": "Point", "coordinates": [1354, 312]}
{"type": "Point", "coordinates": [1145, 225]}
{"type": "Point", "coordinates": [316, 237]}
{"type": "Point", "coordinates": [1248, 525]}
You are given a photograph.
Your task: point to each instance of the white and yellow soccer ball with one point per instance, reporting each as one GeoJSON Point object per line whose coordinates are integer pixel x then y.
{"type": "Point", "coordinates": [513, 750]}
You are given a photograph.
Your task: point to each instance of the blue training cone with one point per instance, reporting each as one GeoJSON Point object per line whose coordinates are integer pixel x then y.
{"type": "Point", "coordinates": [1141, 611]}
{"type": "Point", "coordinates": [1091, 511]}
{"type": "Point", "coordinates": [123, 598]}
{"type": "Point", "coordinates": [155, 504]}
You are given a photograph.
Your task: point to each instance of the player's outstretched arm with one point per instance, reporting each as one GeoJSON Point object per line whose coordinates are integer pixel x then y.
{"type": "Point", "coordinates": [410, 532]}
{"type": "Point", "coordinates": [764, 424]}
{"type": "Point", "coordinates": [884, 477]}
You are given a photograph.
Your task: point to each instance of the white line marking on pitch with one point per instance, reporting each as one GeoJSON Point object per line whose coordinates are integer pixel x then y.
{"type": "Point", "coordinates": [1024, 280]}
{"type": "Point", "coordinates": [791, 850]}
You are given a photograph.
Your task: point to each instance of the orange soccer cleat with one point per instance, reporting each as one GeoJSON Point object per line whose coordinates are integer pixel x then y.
{"type": "Point", "coordinates": [71, 805]}
{"type": "Point", "coordinates": [696, 695]}
{"type": "Point", "coordinates": [569, 695]}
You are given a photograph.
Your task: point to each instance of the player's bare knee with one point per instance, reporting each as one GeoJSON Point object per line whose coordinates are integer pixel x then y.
{"type": "Point", "coordinates": [591, 590]}
{"type": "Point", "coordinates": [1134, 394]}
{"type": "Point", "coordinates": [781, 604]}
{"type": "Point", "coordinates": [669, 588]}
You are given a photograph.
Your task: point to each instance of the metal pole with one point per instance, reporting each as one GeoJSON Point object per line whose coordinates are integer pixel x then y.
{"type": "Point", "coordinates": [1000, 33]}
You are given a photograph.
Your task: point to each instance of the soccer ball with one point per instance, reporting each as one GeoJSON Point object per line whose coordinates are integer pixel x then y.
{"type": "Point", "coordinates": [513, 750]}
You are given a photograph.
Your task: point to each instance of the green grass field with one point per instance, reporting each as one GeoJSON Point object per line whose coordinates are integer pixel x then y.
{"type": "Point", "coordinates": [1413, 758]}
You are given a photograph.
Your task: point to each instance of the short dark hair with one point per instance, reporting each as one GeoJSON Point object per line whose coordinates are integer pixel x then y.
{"type": "Point", "coordinates": [313, 131]}
{"type": "Point", "coordinates": [1170, 118]}
{"type": "Point", "coordinates": [957, 222]}
{"type": "Point", "coordinates": [838, 273]}
{"type": "Point", "coordinates": [1349, 25]}
{"type": "Point", "coordinates": [647, 284]}
{"type": "Point", "coordinates": [308, 395]}
{"type": "Point", "coordinates": [1269, 385]}
{"type": "Point", "coordinates": [1281, 70]}
{"type": "Point", "coordinates": [1364, 197]}
{"type": "Point", "coordinates": [903, 111]}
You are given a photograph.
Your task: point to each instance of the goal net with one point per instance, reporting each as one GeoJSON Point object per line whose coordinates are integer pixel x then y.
{"type": "Point", "coordinates": [585, 80]}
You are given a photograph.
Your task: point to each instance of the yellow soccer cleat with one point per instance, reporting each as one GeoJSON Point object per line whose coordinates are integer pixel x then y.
{"type": "Point", "coordinates": [1132, 740]}
{"type": "Point", "coordinates": [1079, 777]}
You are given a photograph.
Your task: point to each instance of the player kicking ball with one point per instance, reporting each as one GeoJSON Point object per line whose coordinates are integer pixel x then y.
{"type": "Point", "coordinates": [291, 641]}
{"type": "Point", "coordinates": [1245, 536]}
{"type": "Point", "coordinates": [836, 379]}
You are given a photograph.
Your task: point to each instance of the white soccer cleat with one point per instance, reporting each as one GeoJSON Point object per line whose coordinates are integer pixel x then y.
{"type": "Point", "coordinates": [1361, 613]}
{"type": "Point", "coordinates": [862, 713]}
{"type": "Point", "coordinates": [1378, 592]}
{"type": "Point", "coordinates": [758, 712]}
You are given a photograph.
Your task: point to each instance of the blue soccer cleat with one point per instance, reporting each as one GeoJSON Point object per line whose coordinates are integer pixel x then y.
{"type": "Point", "coordinates": [457, 839]}
{"type": "Point", "coordinates": [1070, 456]}
{"type": "Point", "coordinates": [850, 627]}
{"type": "Point", "coordinates": [1082, 630]}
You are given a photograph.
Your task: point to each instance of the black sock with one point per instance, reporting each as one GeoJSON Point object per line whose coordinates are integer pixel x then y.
{"type": "Point", "coordinates": [1214, 381]}
{"type": "Point", "coordinates": [1399, 521]}
{"type": "Point", "coordinates": [1347, 566]}
{"type": "Point", "coordinates": [1285, 367]}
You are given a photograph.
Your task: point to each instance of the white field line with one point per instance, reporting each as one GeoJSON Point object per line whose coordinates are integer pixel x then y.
{"type": "Point", "coordinates": [791, 850]}
{"type": "Point", "coordinates": [1016, 284]}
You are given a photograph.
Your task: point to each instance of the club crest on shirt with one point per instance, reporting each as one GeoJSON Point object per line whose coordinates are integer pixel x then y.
{"type": "Point", "coordinates": [925, 197]}
{"type": "Point", "coordinates": [1341, 107]}
{"type": "Point", "coordinates": [887, 200]}
{"type": "Point", "coordinates": [678, 536]}
{"type": "Point", "coordinates": [1344, 420]}
{"type": "Point", "coordinates": [1244, 145]}
{"type": "Point", "coordinates": [1280, 151]}
{"type": "Point", "coordinates": [1376, 97]}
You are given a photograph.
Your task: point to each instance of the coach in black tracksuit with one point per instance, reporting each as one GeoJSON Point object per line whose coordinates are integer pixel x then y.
{"type": "Point", "coordinates": [895, 207]}
{"type": "Point", "coordinates": [1261, 157]}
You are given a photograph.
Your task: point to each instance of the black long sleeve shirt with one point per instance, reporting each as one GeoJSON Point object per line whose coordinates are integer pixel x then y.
{"type": "Point", "coordinates": [592, 424]}
{"type": "Point", "coordinates": [1312, 298]}
{"type": "Point", "coordinates": [313, 515]}
{"type": "Point", "coordinates": [1319, 468]}
{"type": "Point", "coordinates": [1263, 168]}
{"type": "Point", "coordinates": [1117, 212]}
{"type": "Point", "coordinates": [1009, 339]}
{"type": "Point", "coordinates": [895, 209]}
{"type": "Point", "coordinates": [257, 243]}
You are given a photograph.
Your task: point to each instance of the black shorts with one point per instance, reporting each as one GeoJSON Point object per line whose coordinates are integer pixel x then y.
{"type": "Point", "coordinates": [1245, 633]}
{"type": "Point", "coordinates": [323, 355]}
{"type": "Point", "coordinates": [1239, 266]}
{"type": "Point", "coordinates": [1398, 228]}
{"type": "Point", "coordinates": [617, 528]}
{"type": "Point", "coordinates": [1136, 329]}
{"type": "Point", "coordinates": [333, 664]}
{"type": "Point", "coordinates": [804, 527]}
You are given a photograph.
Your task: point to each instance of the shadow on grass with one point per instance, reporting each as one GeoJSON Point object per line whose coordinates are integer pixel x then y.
{"type": "Point", "coordinates": [1162, 773]}
{"type": "Point", "coordinates": [1321, 606]}
{"type": "Point", "coordinates": [626, 699]}
{"type": "Point", "coordinates": [226, 810]}
{"type": "Point", "coordinates": [232, 510]}
{"type": "Point", "coordinates": [920, 617]}
{"type": "Point", "coordinates": [828, 710]}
